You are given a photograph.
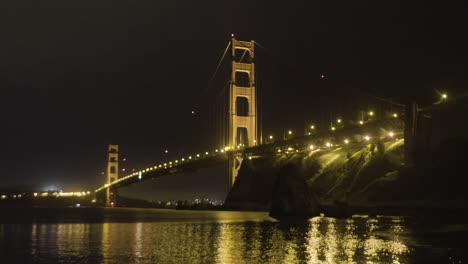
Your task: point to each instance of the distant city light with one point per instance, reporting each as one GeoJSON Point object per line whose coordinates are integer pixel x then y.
{"type": "Point", "coordinates": [166, 151]}
{"type": "Point", "coordinates": [289, 132]}
{"type": "Point", "coordinates": [346, 141]}
{"type": "Point", "coordinates": [312, 127]}
{"type": "Point", "coordinates": [270, 137]}
{"type": "Point", "coordinates": [371, 113]}
{"type": "Point", "coordinates": [390, 134]}
{"type": "Point", "coordinates": [322, 76]}
{"type": "Point", "coordinates": [193, 112]}
{"type": "Point", "coordinates": [333, 128]}
{"type": "Point", "coordinates": [367, 138]}
{"type": "Point", "coordinates": [311, 147]}
{"type": "Point", "coordinates": [444, 96]}
{"type": "Point", "coordinates": [361, 122]}
{"type": "Point", "coordinates": [395, 115]}
{"type": "Point", "coordinates": [328, 144]}
{"type": "Point", "coordinates": [339, 120]}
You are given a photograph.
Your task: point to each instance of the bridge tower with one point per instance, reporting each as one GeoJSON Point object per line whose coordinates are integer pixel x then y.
{"type": "Point", "coordinates": [112, 169]}
{"type": "Point", "coordinates": [242, 103]}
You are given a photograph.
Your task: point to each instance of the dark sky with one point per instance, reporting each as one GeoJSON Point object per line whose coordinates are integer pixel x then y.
{"type": "Point", "coordinates": [78, 75]}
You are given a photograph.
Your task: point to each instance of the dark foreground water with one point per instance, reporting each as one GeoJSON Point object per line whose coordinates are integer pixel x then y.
{"type": "Point", "coordinates": [166, 236]}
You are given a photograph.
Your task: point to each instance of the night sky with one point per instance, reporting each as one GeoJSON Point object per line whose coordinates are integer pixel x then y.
{"type": "Point", "coordinates": [78, 75]}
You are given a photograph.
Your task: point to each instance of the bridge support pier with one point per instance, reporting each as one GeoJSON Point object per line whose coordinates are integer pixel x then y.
{"type": "Point", "coordinates": [235, 162]}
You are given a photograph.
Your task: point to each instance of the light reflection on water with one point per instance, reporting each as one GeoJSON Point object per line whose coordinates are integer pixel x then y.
{"type": "Point", "coordinates": [318, 240]}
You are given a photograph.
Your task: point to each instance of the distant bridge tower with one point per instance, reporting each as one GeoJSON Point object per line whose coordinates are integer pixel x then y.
{"type": "Point", "coordinates": [242, 103]}
{"type": "Point", "coordinates": [112, 169]}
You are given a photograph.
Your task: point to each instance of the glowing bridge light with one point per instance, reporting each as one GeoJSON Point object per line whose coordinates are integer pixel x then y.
{"type": "Point", "coordinates": [395, 115]}
{"type": "Point", "coordinates": [338, 120]}
{"type": "Point", "coordinates": [361, 122]}
{"type": "Point", "coordinates": [190, 157]}
{"type": "Point", "coordinates": [289, 149]}
{"type": "Point", "coordinates": [4, 196]}
{"type": "Point", "coordinates": [182, 159]}
{"type": "Point", "coordinates": [311, 147]}
{"type": "Point", "coordinates": [367, 138]}
{"type": "Point", "coordinates": [176, 161]}
{"type": "Point", "coordinates": [216, 150]}
{"type": "Point", "coordinates": [206, 153]}
{"type": "Point", "coordinates": [170, 162]}
{"type": "Point", "coordinates": [279, 150]}
{"type": "Point", "coordinates": [139, 176]}
{"type": "Point", "coordinates": [312, 127]}
{"type": "Point", "coordinates": [390, 134]}
{"type": "Point", "coordinates": [346, 141]}
{"type": "Point", "coordinates": [270, 137]}
{"type": "Point", "coordinates": [371, 113]}
{"type": "Point", "coordinates": [198, 155]}
{"type": "Point", "coordinates": [290, 132]}
{"type": "Point", "coordinates": [35, 194]}
{"type": "Point", "coordinates": [165, 164]}
{"type": "Point", "coordinates": [250, 157]}
{"type": "Point", "coordinates": [333, 128]}
{"type": "Point", "coordinates": [328, 144]}
{"type": "Point", "coordinates": [222, 150]}
{"type": "Point", "coordinates": [444, 96]}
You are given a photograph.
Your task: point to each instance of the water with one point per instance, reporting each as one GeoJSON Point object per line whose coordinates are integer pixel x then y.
{"type": "Point", "coordinates": [168, 236]}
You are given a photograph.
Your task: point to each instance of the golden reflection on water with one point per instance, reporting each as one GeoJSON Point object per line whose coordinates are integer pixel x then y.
{"type": "Point", "coordinates": [330, 242]}
{"type": "Point", "coordinates": [319, 240]}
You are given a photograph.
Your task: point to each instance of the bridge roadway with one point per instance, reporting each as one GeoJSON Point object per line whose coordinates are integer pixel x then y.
{"type": "Point", "coordinates": [366, 133]}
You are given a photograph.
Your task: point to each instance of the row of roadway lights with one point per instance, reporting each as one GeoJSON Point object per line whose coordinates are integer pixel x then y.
{"type": "Point", "coordinates": [270, 138]}
{"type": "Point", "coordinates": [225, 149]}
{"type": "Point", "coordinates": [175, 162]}
{"type": "Point", "coordinates": [345, 141]}
{"type": "Point", "coordinates": [46, 194]}
{"type": "Point", "coordinates": [339, 121]}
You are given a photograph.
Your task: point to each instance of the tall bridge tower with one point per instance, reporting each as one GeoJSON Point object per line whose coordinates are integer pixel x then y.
{"type": "Point", "coordinates": [112, 169]}
{"type": "Point", "coordinates": [242, 103]}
